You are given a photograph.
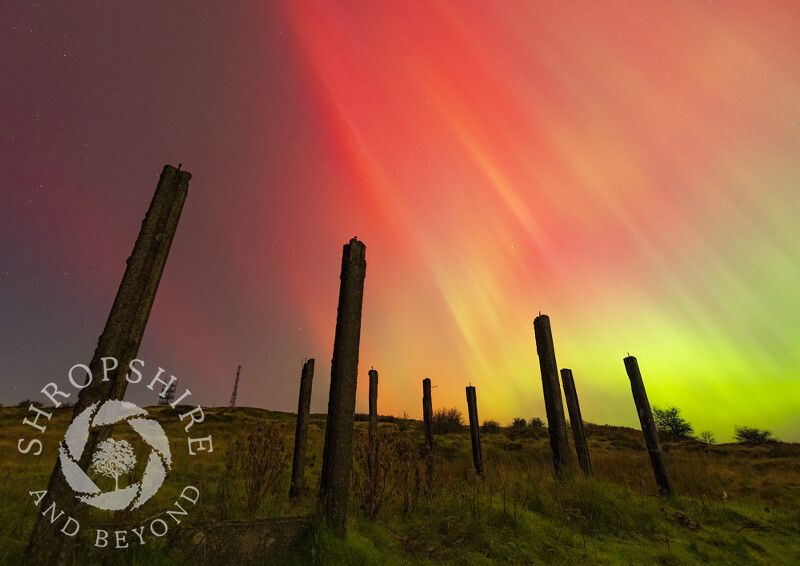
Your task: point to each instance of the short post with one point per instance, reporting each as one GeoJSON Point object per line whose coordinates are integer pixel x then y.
{"type": "Point", "coordinates": [554, 406]}
{"type": "Point", "coordinates": [372, 449]}
{"type": "Point", "coordinates": [648, 426]}
{"type": "Point", "coordinates": [427, 413]}
{"type": "Point", "coordinates": [337, 455]}
{"type": "Point", "coordinates": [575, 419]}
{"type": "Point", "coordinates": [301, 431]}
{"type": "Point", "coordinates": [474, 430]}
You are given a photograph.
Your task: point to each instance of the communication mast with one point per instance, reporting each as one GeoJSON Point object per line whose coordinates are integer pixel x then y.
{"type": "Point", "coordinates": [235, 387]}
{"type": "Point", "coordinates": [169, 396]}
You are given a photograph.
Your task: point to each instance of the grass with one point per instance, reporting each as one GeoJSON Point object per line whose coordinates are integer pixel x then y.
{"type": "Point", "coordinates": [745, 500]}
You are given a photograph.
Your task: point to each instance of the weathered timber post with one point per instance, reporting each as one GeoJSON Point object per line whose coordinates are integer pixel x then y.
{"type": "Point", "coordinates": [372, 448]}
{"type": "Point", "coordinates": [576, 421]}
{"type": "Point", "coordinates": [427, 421]}
{"type": "Point", "coordinates": [648, 426]}
{"type": "Point", "coordinates": [474, 429]}
{"type": "Point", "coordinates": [427, 413]}
{"type": "Point", "coordinates": [556, 425]}
{"type": "Point", "coordinates": [337, 455]}
{"type": "Point", "coordinates": [301, 431]}
{"type": "Point", "coordinates": [120, 340]}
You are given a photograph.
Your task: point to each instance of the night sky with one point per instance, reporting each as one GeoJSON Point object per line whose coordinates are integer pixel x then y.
{"type": "Point", "coordinates": [631, 169]}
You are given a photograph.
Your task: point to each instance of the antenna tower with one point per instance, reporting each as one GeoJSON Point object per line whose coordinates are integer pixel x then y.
{"type": "Point", "coordinates": [235, 387]}
{"type": "Point", "coordinates": [169, 396]}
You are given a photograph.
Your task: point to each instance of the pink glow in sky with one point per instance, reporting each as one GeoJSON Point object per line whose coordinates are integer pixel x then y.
{"type": "Point", "coordinates": [628, 168]}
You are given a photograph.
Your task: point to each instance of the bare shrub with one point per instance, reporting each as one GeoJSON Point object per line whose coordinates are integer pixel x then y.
{"type": "Point", "coordinates": [447, 420]}
{"type": "Point", "coordinates": [403, 422]}
{"type": "Point", "coordinates": [490, 426]}
{"type": "Point", "coordinates": [707, 437]}
{"type": "Point", "coordinates": [397, 474]}
{"type": "Point", "coordinates": [257, 460]}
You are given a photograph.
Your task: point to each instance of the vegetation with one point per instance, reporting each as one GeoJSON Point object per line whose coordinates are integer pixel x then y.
{"type": "Point", "coordinates": [670, 422]}
{"type": "Point", "coordinates": [520, 428]}
{"type": "Point", "coordinates": [490, 426]}
{"type": "Point", "coordinates": [736, 503]}
{"type": "Point", "coordinates": [753, 436]}
{"type": "Point", "coordinates": [258, 460]}
{"type": "Point", "coordinates": [447, 420]}
{"type": "Point", "coordinates": [25, 403]}
{"type": "Point", "coordinates": [707, 437]}
{"type": "Point", "coordinates": [536, 422]}
{"type": "Point", "coordinates": [398, 474]}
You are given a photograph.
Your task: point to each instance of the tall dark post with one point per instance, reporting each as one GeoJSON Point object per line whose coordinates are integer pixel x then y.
{"type": "Point", "coordinates": [474, 430]}
{"type": "Point", "coordinates": [372, 454]}
{"type": "Point", "coordinates": [337, 455]}
{"type": "Point", "coordinates": [120, 339]}
{"type": "Point", "coordinates": [576, 421]}
{"type": "Point", "coordinates": [648, 426]}
{"type": "Point", "coordinates": [556, 424]}
{"type": "Point", "coordinates": [301, 432]}
{"type": "Point", "coordinates": [427, 421]}
{"type": "Point", "coordinates": [427, 413]}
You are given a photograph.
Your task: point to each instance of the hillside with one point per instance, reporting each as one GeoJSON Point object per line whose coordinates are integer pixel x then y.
{"type": "Point", "coordinates": [736, 504]}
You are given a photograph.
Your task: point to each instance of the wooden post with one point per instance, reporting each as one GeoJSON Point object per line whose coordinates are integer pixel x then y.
{"type": "Point", "coordinates": [301, 431]}
{"type": "Point", "coordinates": [427, 413]}
{"type": "Point", "coordinates": [576, 421]}
{"type": "Point", "coordinates": [120, 339]}
{"type": "Point", "coordinates": [474, 430]}
{"type": "Point", "coordinates": [337, 455]}
{"type": "Point", "coordinates": [427, 421]}
{"type": "Point", "coordinates": [372, 448]}
{"type": "Point", "coordinates": [648, 426]}
{"type": "Point", "coordinates": [556, 424]}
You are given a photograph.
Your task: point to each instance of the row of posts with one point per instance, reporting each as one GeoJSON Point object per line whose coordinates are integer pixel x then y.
{"type": "Point", "coordinates": [338, 447]}
{"type": "Point", "coordinates": [556, 422]}
{"type": "Point", "coordinates": [337, 451]}
{"type": "Point", "coordinates": [126, 323]}
{"type": "Point", "coordinates": [336, 470]}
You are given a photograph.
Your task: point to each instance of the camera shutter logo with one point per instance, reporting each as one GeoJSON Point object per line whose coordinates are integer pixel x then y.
{"type": "Point", "coordinates": [115, 457]}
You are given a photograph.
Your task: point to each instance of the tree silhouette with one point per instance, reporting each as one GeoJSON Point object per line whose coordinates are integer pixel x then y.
{"type": "Point", "coordinates": [670, 421]}
{"type": "Point", "coordinates": [752, 435]}
{"type": "Point", "coordinates": [113, 458]}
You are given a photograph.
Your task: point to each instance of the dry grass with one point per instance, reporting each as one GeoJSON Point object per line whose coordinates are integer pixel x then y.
{"type": "Point", "coordinates": [746, 499]}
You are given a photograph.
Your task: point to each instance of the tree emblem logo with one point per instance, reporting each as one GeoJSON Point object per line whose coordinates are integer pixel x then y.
{"type": "Point", "coordinates": [114, 458]}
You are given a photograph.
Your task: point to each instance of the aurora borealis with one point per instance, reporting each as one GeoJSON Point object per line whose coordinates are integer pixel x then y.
{"type": "Point", "coordinates": [628, 168]}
